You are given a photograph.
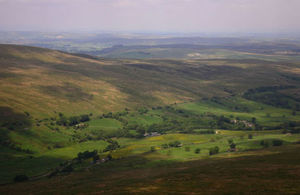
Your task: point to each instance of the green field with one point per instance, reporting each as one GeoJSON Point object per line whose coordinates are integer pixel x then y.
{"type": "Point", "coordinates": [257, 110]}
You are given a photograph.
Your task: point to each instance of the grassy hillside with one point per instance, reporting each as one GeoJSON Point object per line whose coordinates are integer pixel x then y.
{"type": "Point", "coordinates": [61, 114]}
{"type": "Point", "coordinates": [42, 81]}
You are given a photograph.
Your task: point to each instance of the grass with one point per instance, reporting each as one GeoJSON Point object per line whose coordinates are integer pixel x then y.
{"type": "Point", "coordinates": [71, 152]}
{"type": "Point", "coordinates": [265, 115]}
{"type": "Point", "coordinates": [145, 119]}
{"type": "Point", "coordinates": [204, 142]}
{"type": "Point", "coordinates": [41, 162]}
{"type": "Point", "coordinates": [104, 124]}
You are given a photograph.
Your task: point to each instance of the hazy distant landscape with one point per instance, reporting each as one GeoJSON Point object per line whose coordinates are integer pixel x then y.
{"type": "Point", "coordinates": [166, 46]}
{"type": "Point", "coordinates": [149, 97]}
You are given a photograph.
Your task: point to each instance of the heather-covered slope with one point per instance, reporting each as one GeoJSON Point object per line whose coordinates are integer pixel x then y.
{"type": "Point", "coordinates": [42, 81]}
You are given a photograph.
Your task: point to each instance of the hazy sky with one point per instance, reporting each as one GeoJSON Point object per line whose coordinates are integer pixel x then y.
{"type": "Point", "coordinates": [151, 15]}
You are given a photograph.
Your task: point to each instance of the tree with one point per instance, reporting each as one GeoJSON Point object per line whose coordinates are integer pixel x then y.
{"type": "Point", "coordinates": [214, 150]}
{"type": "Point", "coordinates": [74, 120]}
{"type": "Point", "coordinates": [62, 120]}
{"type": "Point", "coordinates": [112, 146]}
{"type": "Point", "coordinates": [175, 144]}
{"type": "Point", "coordinates": [109, 157]}
{"type": "Point", "coordinates": [264, 143]}
{"type": "Point", "coordinates": [232, 146]}
{"type": "Point", "coordinates": [86, 154]}
{"type": "Point", "coordinates": [84, 118]}
{"type": "Point", "coordinates": [197, 150]}
{"type": "Point", "coordinates": [165, 146]}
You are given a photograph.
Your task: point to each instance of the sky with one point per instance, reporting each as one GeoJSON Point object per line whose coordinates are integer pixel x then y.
{"type": "Point", "coordinates": [151, 15]}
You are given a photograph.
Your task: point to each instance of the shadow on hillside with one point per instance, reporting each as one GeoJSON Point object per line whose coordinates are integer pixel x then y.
{"type": "Point", "coordinates": [31, 166]}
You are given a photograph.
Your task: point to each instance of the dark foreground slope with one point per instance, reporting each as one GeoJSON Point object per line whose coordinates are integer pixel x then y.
{"type": "Point", "coordinates": [271, 171]}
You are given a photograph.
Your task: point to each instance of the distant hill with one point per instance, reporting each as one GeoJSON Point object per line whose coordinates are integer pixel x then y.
{"type": "Point", "coordinates": [42, 81]}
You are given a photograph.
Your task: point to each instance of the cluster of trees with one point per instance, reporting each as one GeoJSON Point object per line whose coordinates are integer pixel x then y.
{"type": "Point", "coordinates": [174, 144]}
{"type": "Point", "coordinates": [86, 155]}
{"type": "Point", "coordinates": [113, 145]}
{"type": "Point", "coordinates": [177, 120]}
{"type": "Point", "coordinates": [264, 143]}
{"type": "Point", "coordinates": [213, 121]}
{"type": "Point", "coordinates": [140, 130]}
{"type": "Point", "coordinates": [73, 120]}
{"type": "Point", "coordinates": [207, 132]}
{"type": "Point", "coordinates": [161, 128]}
{"type": "Point", "coordinates": [294, 131]}
{"type": "Point", "coordinates": [116, 115]}
{"type": "Point", "coordinates": [291, 127]}
{"type": "Point", "coordinates": [271, 96]}
{"type": "Point", "coordinates": [67, 166]}
{"type": "Point", "coordinates": [223, 122]}
{"type": "Point", "coordinates": [275, 142]}
{"type": "Point", "coordinates": [188, 125]}
{"type": "Point", "coordinates": [185, 122]}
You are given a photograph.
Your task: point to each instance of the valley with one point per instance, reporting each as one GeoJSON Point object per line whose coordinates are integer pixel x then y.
{"type": "Point", "coordinates": [184, 124]}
